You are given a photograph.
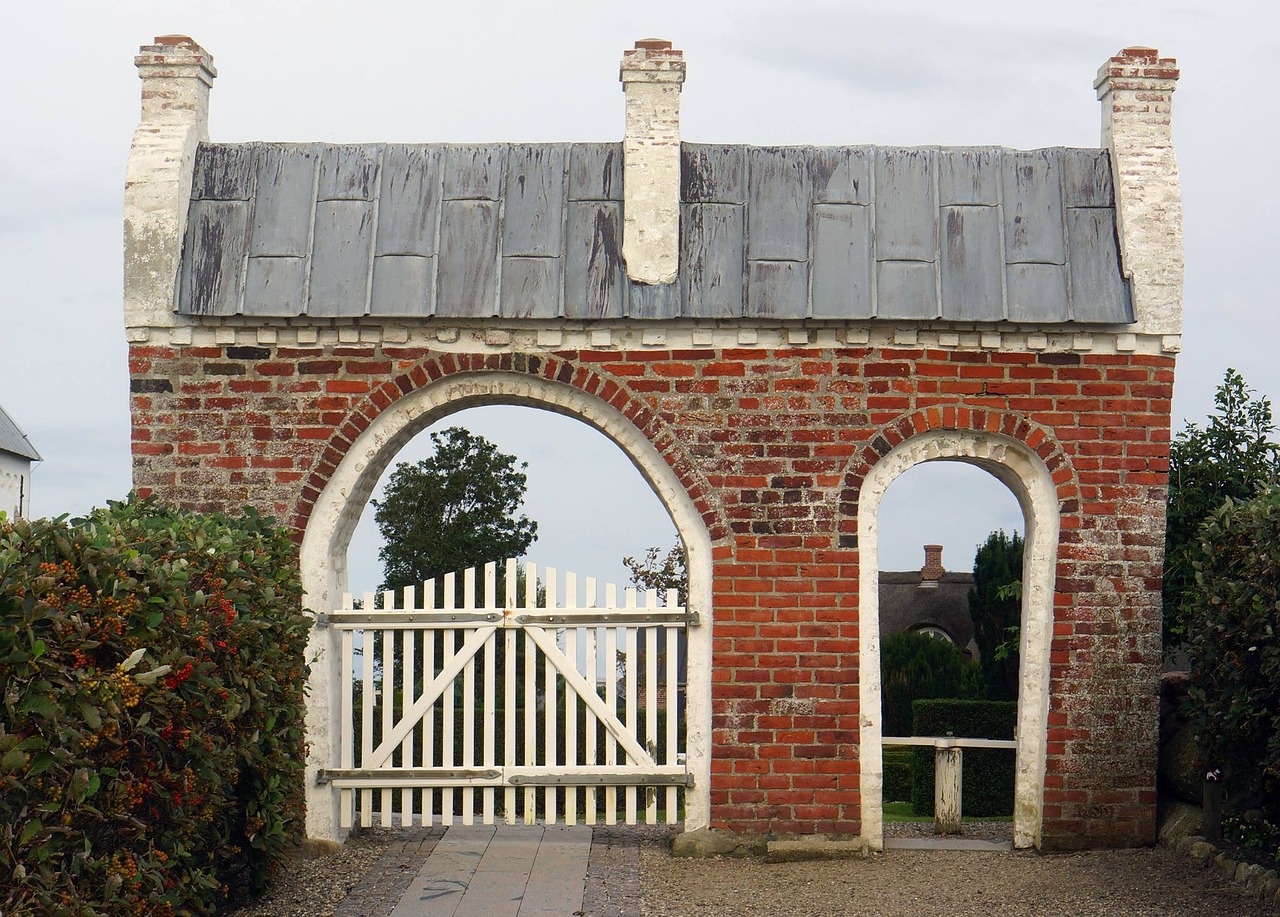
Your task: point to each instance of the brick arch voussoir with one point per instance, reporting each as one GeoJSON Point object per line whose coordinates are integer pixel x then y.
{"type": "Point", "coordinates": [550, 368]}
{"type": "Point", "coordinates": [1015, 426]}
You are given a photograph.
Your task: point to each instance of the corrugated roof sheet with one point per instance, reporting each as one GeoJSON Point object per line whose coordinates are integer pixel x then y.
{"type": "Point", "coordinates": [13, 440]}
{"type": "Point", "coordinates": [533, 231]}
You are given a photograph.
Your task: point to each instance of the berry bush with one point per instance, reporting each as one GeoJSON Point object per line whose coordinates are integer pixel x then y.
{"type": "Point", "coordinates": [151, 710]}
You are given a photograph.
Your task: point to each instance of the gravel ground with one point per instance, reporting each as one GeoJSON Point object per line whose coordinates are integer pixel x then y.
{"type": "Point", "coordinates": [1133, 883]}
{"type": "Point", "coordinates": [316, 885]}
{"type": "Point", "coordinates": [632, 874]}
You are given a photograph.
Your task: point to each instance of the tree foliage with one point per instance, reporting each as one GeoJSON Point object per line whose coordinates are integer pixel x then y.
{"type": "Point", "coordinates": [915, 665]}
{"type": "Point", "coordinates": [459, 508]}
{"type": "Point", "coordinates": [1231, 458]}
{"type": "Point", "coordinates": [995, 607]}
{"type": "Point", "coordinates": [1235, 647]}
{"type": "Point", "coordinates": [659, 571]}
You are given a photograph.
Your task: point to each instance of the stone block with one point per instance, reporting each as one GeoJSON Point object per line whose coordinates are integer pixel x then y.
{"type": "Point", "coordinates": [814, 848]}
{"type": "Point", "coordinates": [1202, 850]}
{"type": "Point", "coordinates": [1179, 821]}
{"type": "Point", "coordinates": [712, 842]}
{"type": "Point", "coordinates": [1256, 880]}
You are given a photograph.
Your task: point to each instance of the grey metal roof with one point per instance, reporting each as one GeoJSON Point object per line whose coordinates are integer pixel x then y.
{"type": "Point", "coordinates": [534, 231]}
{"type": "Point", "coordinates": [13, 440]}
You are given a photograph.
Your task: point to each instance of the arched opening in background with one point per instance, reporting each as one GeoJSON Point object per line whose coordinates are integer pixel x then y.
{"type": "Point", "coordinates": [338, 510]}
{"type": "Point", "coordinates": [934, 520]}
{"type": "Point", "coordinates": [591, 504]}
{"type": "Point", "coordinates": [1025, 476]}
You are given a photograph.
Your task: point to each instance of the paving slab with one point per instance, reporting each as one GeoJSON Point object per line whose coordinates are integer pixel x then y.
{"type": "Point", "coordinates": [557, 883]}
{"type": "Point", "coordinates": [446, 875]}
{"type": "Point", "coordinates": [501, 871]}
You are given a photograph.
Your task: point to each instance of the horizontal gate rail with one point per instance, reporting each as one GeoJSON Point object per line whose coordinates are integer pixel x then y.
{"type": "Point", "coordinates": [439, 777]}
{"type": "Point", "coordinates": [560, 704]}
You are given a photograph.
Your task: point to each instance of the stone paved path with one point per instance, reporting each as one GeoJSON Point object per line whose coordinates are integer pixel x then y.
{"type": "Point", "coordinates": [521, 871]}
{"type": "Point", "coordinates": [501, 871]}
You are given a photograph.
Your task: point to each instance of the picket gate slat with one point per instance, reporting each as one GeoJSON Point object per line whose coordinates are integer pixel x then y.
{"type": "Point", "coordinates": [611, 701]}
{"type": "Point", "coordinates": [490, 690]}
{"type": "Point", "coordinates": [388, 697]}
{"type": "Point", "coordinates": [509, 696]}
{"type": "Point", "coordinates": [408, 653]}
{"type": "Point", "coordinates": [366, 714]}
{"type": "Point", "coordinates": [591, 754]}
{"type": "Point", "coordinates": [444, 720]}
{"type": "Point", "coordinates": [447, 705]}
{"type": "Point", "coordinates": [530, 690]}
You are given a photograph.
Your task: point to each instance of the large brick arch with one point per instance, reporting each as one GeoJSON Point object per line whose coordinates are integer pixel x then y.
{"type": "Point", "coordinates": [455, 367]}
{"type": "Point", "coordinates": [379, 426]}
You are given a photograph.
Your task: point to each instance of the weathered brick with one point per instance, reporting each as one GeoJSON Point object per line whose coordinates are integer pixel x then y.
{"type": "Point", "coordinates": [774, 446]}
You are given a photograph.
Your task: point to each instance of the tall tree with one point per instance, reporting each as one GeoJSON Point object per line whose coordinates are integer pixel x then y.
{"type": "Point", "coordinates": [996, 610]}
{"type": "Point", "coordinates": [459, 508]}
{"type": "Point", "coordinates": [1232, 457]}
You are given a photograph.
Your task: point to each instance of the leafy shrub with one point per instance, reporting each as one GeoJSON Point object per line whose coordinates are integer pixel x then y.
{"type": "Point", "coordinates": [915, 665]}
{"type": "Point", "coordinates": [1257, 836]}
{"type": "Point", "coordinates": [987, 782]}
{"type": "Point", "coordinates": [897, 774]}
{"type": "Point", "coordinates": [1234, 700]}
{"type": "Point", "coordinates": [151, 680]}
{"type": "Point", "coordinates": [1231, 457]}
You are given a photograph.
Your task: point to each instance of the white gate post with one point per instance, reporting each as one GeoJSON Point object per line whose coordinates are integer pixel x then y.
{"type": "Point", "coordinates": [948, 770]}
{"type": "Point", "coordinates": [323, 710]}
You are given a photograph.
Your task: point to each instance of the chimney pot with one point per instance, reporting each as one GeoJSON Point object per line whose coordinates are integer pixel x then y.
{"type": "Point", "coordinates": [174, 40]}
{"type": "Point", "coordinates": [653, 44]}
{"type": "Point", "coordinates": [176, 75]}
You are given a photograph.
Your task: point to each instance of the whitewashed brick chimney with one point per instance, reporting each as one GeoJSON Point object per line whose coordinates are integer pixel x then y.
{"type": "Point", "coordinates": [176, 76]}
{"type": "Point", "coordinates": [1136, 91]}
{"type": "Point", "coordinates": [652, 74]}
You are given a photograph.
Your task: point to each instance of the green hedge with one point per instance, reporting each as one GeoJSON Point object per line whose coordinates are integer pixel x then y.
{"type": "Point", "coordinates": [987, 786]}
{"type": "Point", "coordinates": [898, 764]}
{"type": "Point", "coordinates": [152, 673]}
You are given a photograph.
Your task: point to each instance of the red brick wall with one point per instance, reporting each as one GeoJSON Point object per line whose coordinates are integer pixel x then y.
{"type": "Point", "coordinates": [772, 446]}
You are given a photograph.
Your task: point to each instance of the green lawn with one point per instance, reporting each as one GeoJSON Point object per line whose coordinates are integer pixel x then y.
{"type": "Point", "coordinates": [901, 812]}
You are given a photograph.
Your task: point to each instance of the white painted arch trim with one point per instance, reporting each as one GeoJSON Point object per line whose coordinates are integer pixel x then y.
{"type": "Point", "coordinates": [337, 511]}
{"type": "Point", "coordinates": [1024, 473]}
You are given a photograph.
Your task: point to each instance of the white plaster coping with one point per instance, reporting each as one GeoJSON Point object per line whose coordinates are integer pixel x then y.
{"type": "Point", "coordinates": [338, 509]}
{"type": "Point", "coordinates": [523, 336]}
{"type": "Point", "coordinates": [1023, 472]}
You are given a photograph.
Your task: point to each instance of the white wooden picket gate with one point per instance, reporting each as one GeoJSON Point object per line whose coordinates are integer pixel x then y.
{"type": "Point", "coordinates": [564, 709]}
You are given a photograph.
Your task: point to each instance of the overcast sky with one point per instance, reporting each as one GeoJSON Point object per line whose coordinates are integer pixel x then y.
{"type": "Point", "coordinates": [840, 72]}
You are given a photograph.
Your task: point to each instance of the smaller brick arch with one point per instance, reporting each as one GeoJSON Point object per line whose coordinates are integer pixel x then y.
{"type": "Point", "coordinates": [1023, 457]}
{"type": "Point", "coordinates": [362, 449]}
